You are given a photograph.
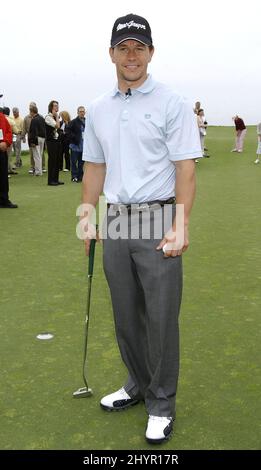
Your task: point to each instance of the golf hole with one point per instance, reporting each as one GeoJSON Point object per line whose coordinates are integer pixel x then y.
{"type": "Point", "coordinates": [44, 336]}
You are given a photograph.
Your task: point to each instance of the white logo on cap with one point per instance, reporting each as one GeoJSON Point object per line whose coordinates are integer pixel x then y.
{"type": "Point", "coordinates": [129, 25]}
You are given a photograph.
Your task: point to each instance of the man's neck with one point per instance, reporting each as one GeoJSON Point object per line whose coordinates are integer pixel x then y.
{"type": "Point", "coordinates": [125, 85]}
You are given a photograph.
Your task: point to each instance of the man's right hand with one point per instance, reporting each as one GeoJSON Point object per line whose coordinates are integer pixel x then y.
{"type": "Point", "coordinates": [3, 146]}
{"type": "Point", "coordinates": [87, 244]}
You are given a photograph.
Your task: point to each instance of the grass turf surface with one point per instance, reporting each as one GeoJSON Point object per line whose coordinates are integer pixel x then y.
{"type": "Point", "coordinates": [43, 288]}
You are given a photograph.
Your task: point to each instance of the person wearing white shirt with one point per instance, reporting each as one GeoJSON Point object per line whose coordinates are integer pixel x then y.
{"type": "Point", "coordinates": [202, 127]}
{"type": "Point", "coordinates": [140, 143]}
{"type": "Point", "coordinates": [258, 150]}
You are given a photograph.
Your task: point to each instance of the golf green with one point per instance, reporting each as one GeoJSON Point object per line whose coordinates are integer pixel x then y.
{"type": "Point", "coordinates": [43, 274]}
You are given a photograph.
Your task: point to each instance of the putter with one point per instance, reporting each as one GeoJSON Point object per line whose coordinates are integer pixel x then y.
{"type": "Point", "coordinates": [86, 391]}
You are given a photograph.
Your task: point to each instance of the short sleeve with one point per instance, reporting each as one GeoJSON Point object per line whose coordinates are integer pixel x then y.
{"type": "Point", "coordinates": [182, 134]}
{"type": "Point", "coordinates": [92, 150]}
{"type": "Point", "coordinates": [50, 121]}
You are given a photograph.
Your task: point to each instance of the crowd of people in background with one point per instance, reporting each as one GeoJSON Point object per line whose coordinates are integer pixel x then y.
{"type": "Point", "coordinates": [56, 132]}
{"type": "Point", "coordinates": [62, 137]}
{"type": "Point", "coordinates": [240, 130]}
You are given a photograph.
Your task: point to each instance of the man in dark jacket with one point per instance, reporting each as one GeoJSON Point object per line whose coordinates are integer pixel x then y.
{"type": "Point", "coordinates": [6, 140]}
{"type": "Point", "coordinates": [75, 133]}
{"type": "Point", "coordinates": [36, 138]}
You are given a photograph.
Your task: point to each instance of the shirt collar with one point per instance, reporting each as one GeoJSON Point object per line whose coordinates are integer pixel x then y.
{"type": "Point", "coordinates": [146, 87]}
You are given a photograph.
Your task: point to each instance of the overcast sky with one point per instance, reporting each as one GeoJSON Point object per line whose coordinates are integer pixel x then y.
{"type": "Point", "coordinates": [208, 51]}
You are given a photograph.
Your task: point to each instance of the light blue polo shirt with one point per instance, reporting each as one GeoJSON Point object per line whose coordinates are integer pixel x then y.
{"type": "Point", "coordinates": [139, 137]}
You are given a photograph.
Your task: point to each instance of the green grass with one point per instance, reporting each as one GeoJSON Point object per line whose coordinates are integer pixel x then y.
{"type": "Point", "coordinates": [43, 288]}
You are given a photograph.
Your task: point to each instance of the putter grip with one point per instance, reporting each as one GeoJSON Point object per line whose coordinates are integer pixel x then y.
{"type": "Point", "coordinates": [91, 257]}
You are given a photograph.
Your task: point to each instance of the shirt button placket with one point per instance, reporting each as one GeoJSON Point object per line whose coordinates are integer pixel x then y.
{"type": "Point", "coordinates": [124, 136]}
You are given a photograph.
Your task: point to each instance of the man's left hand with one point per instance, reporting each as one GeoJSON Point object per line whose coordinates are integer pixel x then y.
{"type": "Point", "coordinates": [170, 247]}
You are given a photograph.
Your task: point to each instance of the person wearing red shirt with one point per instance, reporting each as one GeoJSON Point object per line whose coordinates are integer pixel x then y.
{"type": "Point", "coordinates": [5, 142]}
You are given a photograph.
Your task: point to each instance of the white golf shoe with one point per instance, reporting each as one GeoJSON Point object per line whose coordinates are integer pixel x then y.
{"type": "Point", "coordinates": [118, 401]}
{"type": "Point", "coordinates": [257, 160]}
{"type": "Point", "coordinates": [159, 429]}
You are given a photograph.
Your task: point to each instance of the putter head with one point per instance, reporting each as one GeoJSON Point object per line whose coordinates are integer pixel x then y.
{"type": "Point", "coordinates": [83, 392]}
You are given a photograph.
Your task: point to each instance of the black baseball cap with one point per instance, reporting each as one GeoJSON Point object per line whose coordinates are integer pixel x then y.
{"type": "Point", "coordinates": [131, 27]}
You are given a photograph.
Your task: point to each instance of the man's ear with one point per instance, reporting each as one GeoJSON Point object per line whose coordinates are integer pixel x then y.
{"type": "Point", "coordinates": [111, 52]}
{"type": "Point", "coordinates": [151, 52]}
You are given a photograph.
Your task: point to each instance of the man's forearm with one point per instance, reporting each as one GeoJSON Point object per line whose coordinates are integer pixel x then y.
{"type": "Point", "coordinates": [93, 181]}
{"type": "Point", "coordinates": [185, 186]}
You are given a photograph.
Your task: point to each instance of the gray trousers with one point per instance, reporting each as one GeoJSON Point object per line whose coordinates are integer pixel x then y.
{"type": "Point", "coordinates": [17, 145]}
{"type": "Point", "coordinates": [32, 158]}
{"type": "Point", "coordinates": [38, 151]}
{"type": "Point", "coordinates": [146, 291]}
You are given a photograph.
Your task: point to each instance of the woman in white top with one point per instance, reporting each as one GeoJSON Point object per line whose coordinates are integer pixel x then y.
{"type": "Point", "coordinates": [258, 150]}
{"type": "Point", "coordinates": [202, 125]}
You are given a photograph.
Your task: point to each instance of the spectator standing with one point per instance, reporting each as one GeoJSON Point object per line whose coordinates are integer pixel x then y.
{"type": "Point", "coordinates": [52, 124]}
{"type": "Point", "coordinates": [258, 151]}
{"type": "Point", "coordinates": [17, 138]}
{"type": "Point", "coordinates": [197, 107]}
{"type": "Point", "coordinates": [36, 138]}
{"type": "Point", "coordinates": [64, 139]}
{"type": "Point", "coordinates": [6, 112]}
{"type": "Point", "coordinates": [240, 134]}
{"type": "Point", "coordinates": [75, 132]}
{"type": "Point", "coordinates": [26, 127]}
{"type": "Point", "coordinates": [202, 127]}
{"type": "Point", "coordinates": [5, 142]}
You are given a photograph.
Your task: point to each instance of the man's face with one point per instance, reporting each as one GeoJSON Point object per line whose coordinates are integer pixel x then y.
{"type": "Point", "coordinates": [131, 59]}
{"type": "Point", "coordinates": [16, 114]}
{"type": "Point", "coordinates": [81, 113]}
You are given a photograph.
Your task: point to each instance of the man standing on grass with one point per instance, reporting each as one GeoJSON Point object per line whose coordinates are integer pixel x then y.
{"type": "Point", "coordinates": [258, 150]}
{"type": "Point", "coordinates": [26, 127]}
{"type": "Point", "coordinates": [140, 143]}
{"type": "Point", "coordinates": [240, 134]}
{"type": "Point", "coordinates": [17, 140]}
{"type": "Point", "coordinates": [6, 112]}
{"type": "Point", "coordinates": [6, 140]}
{"type": "Point", "coordinates": [36, 138]}
{"type": "Point", "coordinates": [75, 132]}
